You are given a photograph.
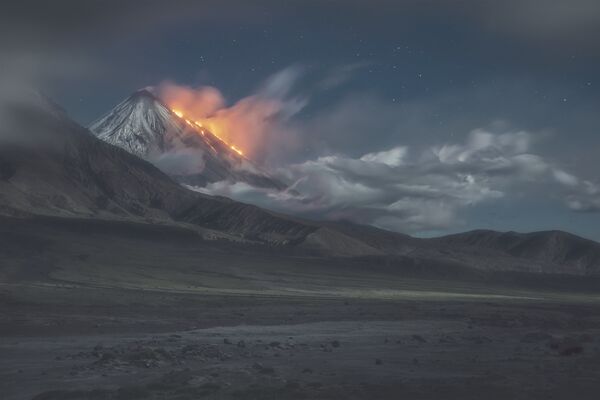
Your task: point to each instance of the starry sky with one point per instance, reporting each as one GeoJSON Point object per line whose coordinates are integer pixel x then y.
{"type": "Point", "coordinates": [427, 117]}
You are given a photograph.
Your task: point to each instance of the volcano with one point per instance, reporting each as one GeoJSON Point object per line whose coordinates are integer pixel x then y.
{"type": "Point", "coordinates": [55, 171]}
{"type": "Point", "coordinates": [191, 154]}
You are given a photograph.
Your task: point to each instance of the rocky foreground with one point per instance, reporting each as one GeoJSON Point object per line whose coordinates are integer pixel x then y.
{"type": "Point", "coordinates": [330, 349]}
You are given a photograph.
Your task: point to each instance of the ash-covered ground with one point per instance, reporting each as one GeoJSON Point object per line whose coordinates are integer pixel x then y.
{"type": "Point", "coordinates": [278, 348]}
{"type": "Point", "coordinates": [97, 315]}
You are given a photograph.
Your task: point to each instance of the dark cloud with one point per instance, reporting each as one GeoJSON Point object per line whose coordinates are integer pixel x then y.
{"type": "Point", "coordinates": [558, 22]}
{"type": "Point", "coordinates": [75, 24]}
{"type": "Point", "coordinates": [67, 41]}
{"type": "Point", "coordinates": [73, 21]}
{"type": "Point", "coordinates": [43, 41]}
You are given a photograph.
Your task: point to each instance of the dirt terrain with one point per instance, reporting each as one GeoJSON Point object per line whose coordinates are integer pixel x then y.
{"type": "Point", "coordinates": [271, 348]}
{"type": "Point", "coordinates": [128, 312]}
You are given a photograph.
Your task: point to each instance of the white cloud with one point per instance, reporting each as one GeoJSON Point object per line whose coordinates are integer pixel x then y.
{"type": "Point", "coordinates": [565, 178]}
{"type": "Point", "coordinates": [416, 190]}
{"type": "Point", "coordinates": [393, 158]}
{"type": "Point", "coordinates": [186, 161]}
{"type": "Point", "coordinates": [585, 197]}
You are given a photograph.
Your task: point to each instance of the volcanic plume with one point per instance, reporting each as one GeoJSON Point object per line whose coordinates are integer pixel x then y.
{"type": "Point", "coordinates": [258, 125]}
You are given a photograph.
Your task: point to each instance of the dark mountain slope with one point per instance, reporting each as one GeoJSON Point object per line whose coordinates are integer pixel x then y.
{"type": "Point", "coordinates": [52, 166]}
{"type": "Point", "coordinates": [59, 168]}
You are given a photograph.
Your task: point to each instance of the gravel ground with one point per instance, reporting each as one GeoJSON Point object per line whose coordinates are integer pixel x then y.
{"type": "Point", "coordinates": [307, 349]}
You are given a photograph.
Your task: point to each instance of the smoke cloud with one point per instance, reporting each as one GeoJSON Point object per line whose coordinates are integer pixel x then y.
{"type": "Point", "coordinates": [256, 124]}
{"type": "Point", "coordinates": [198, 103]}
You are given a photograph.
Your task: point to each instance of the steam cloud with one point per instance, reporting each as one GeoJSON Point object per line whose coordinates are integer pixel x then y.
{"type": "Point", "coordinates": [180, 162]}
{"type": "Point", "coordinates": [256, 123]}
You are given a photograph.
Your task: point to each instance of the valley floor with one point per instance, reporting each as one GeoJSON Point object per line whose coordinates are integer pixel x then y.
{"type": "Point", "coordinates": [119, 312]}
{"type": "Point", "coordinates": [238, 347]}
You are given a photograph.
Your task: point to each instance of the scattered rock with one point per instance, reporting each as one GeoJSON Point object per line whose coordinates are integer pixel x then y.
{"type": "Point", "coordinates": [447, 339]}
{"type": "Point", "coordinates": [262, 369]}
{"type": "Point", "coordinates": [378, 361]}
{"type": "Point", "coordinates": [418, 338]}
{"type": "Point", "coordinates": [325, 348]}
{"type": "Point", "coordinates": [566, 346]}
{"type": "Point", "coordinates": [107, 356]}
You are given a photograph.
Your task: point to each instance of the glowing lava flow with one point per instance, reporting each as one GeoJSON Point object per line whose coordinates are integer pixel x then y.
{"type": "Point", "coordinates": [199, 125]}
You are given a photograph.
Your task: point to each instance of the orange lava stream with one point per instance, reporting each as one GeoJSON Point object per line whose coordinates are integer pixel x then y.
{"type": "Point", "coordinates": [196, 124]}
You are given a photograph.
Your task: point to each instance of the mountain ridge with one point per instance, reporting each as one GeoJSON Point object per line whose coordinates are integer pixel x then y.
{"type": "Point", "coordinates": [65, 171]}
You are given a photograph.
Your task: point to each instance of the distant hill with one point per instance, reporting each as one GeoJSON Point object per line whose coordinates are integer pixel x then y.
{"type": "Point", "coordinates": [543, 251]}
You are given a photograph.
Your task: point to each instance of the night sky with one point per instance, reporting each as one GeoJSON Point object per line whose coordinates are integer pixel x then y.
{"type": "Point", "coordinates": [427, 117]}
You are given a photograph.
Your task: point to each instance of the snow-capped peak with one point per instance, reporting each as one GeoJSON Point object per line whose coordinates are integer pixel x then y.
{"type": "Point", "coordinates": [138, 124]}
{"type": "Point", "coordinates": [144, 126]}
